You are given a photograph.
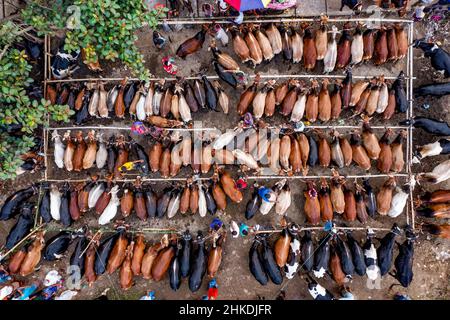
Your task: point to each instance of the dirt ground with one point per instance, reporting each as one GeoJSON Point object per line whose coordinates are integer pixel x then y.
{"type": "Point", "coordinates": [431, 259]}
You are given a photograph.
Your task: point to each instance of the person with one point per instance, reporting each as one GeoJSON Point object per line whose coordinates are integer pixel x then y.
{"type": "Point", "coordinates": [213, 290]}
{"type": "Point", "coordinates": [221, 35]}
{"type": "Point", "coordinates": [267, 194]}
{"type": "Point", "coordinates": [131, 165]}
{"type": "Point", "coordinates": [281, 4]}
{"type": "Point", "coordinates": [24, 293]}
{"type": "Point", "coordinates": [150, 295]}
{"type": "Point", "coordinates": [241, 183]}
{"type": "Point", "coordinates": [433, 7]}
{"type": "Point", "coordinates": [234, 228]}
{"type": "Point", "coordinates": [216, 224]}
{"type": "Point", "coordinates": [419, 13]}
{"type": "Point", "coordinates": [223, 7]}
{"type": "Point", "coordinates": [239, 19]}
{"type": "Point", "coordinates": [248, 120]}
{"type": "Point", "coordinates": [241, 77]}
{"type": "Point", "coordinates": [243, 229]}
{"type": "Point", "coordinates": [208, 10]}
{"type": "Point", "coordinates": [139, 128]}
{"type": "Point", "coordinates": [399, 296]}
{"type": "Point", "coordinates": [158, 40]}
{"type": "Point", "coordinates": [299, 126]}
{"type": "Point", "coordinates": [47, 293]}
{"type": "Point", "coordinates": [169, 66]}
{"type": "Point", "coordinates": [424, 2]}
{"type": "Point", "coordinates": [346, 294]}
{"type": "Point", "coordinates": [4, 275]}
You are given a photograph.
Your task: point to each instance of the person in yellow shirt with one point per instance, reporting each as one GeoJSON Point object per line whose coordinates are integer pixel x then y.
{"type": "Point", "coordinates": [131, 165]}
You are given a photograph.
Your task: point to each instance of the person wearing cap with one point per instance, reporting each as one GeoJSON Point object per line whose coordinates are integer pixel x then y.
{"type": "Point", "coordinates": [150, 295]}
{"type": "Point", "coordinates": [234, 228]}
{"type": "Point", "coordinates": [169, 66]}
{"type": "Point", "coordinates": [241, 184]}
{"type": "Point", "coordinates": [131, 165]}
{"type": "Point", "coordinates": [243, 229]}
{"type": "Point", "coordinates": [216, 224]}
{"type": "Point", "coordinates": [213, 290]}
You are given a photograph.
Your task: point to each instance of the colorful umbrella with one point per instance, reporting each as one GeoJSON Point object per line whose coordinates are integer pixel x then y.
{"type": "Point", "coordinates": [244, 5]}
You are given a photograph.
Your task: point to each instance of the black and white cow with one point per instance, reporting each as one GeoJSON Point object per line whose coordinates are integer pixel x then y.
{"type": "Point", "coordinates": [440, 59]}
{"type": "Point", "coordinates": [370, 257]}
{"type": "Point", "coordinates": [292, 264]}
{"type": "Point", "coordinates": [442, 146]}
{"type": "Point", "coordinates": [318, 292]}
{"type": "Point", "coordinates": [64, 63]}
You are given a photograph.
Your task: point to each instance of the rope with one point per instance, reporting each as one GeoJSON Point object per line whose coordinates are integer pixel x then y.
{"type": "Point", "coordinates": [108, 276]}
{"type": "Point", "coordinates": [36, 214]}
{"type": "Point", "coordinates": [20, 242]}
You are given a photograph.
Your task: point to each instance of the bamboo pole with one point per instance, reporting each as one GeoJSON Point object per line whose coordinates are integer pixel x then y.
{"type": "Point", "coordinates": [275, 177]}
{"type": "Point", "coordinates": [48, 57]}
{"type": "Point", "coordinates": [36, 214]}
{"type": "Point", "coordinates": [310, 17]}
{"type": "Point", "coordinates": [411, 113]}
{"type": "Point", "coordinates": [213, 77]}
{"type": "Point", "coordinates": [90, 242]}
{"type": "Point", "coordinates": [128, 128]}
{"type": "Point", "coordinates": [214, 20]}
{"type": "Point", "coordinates": [47, 119]}
{"type": "Point", "coordinates": [342, 127]}
{"type": "Point", "coordinates": [125, 128]}
{"type": "Point", "coordinates": [176, 231]}
{"type": "Point", "coordinates": [321, 228]}
{"type": "Point", "coordinates": [266, 177]}
{"type": "Point", "coordinates": [129, 180]}
{"type": "Point", "coordinates": [408, 116]}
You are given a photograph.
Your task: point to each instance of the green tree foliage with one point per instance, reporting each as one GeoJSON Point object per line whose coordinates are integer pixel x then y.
{"type": "Point", "coordinates": [16, 108]}
{"type": "Point", "coordinates": [104, 29]}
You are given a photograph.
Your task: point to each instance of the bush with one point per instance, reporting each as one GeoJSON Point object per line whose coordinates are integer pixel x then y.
{"type": "Point", "coordinates": [16, 108]}
{"type": "Point", "coordinates": [104, 29]}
